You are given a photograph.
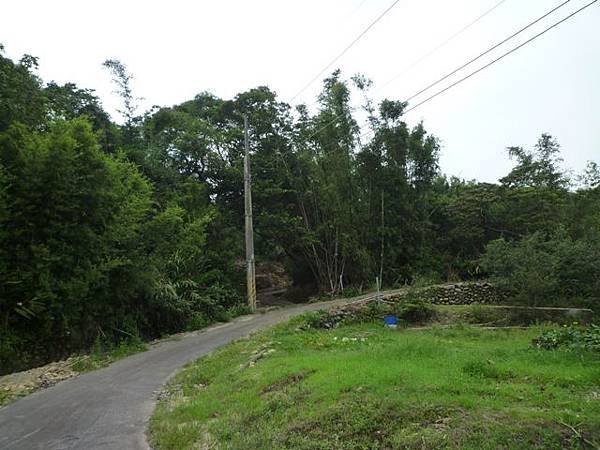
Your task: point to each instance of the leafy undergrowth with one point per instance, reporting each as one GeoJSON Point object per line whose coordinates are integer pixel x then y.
{"type": "Point", "coordinates": [21, 384]}
{"type": "Point", "coordinates": [367, 387]}
{"type": "Point", "coordinates": [572, 337]}
{"type": "Point", "coordinates": [103, 354]}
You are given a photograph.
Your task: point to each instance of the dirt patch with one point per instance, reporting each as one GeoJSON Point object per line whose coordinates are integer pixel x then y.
{"type": "Point", "coordinates": [19, 384]}
{"type": "Point", "coordinates": [288, 380]}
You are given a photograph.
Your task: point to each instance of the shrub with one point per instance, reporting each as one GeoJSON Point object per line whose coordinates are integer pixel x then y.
{"type": "Point", "coordinates": [371, 312]}
{"type": "Point", "coordinates": [425, 279]}
{"type": "Point", "coordinates": [545, 269]}
{"type": "Point", "coordinates": [526, 269]}
{"type": "Point", "coordinates": [197, 322]}
{"type": "Point", "coordinates": [570, 337]}
{"type": "Point", "coordinates": [315, 319]}
{"type": "Point", "coordinates": [239, 309]}
{"type": "Point", "coordinates": [105, 351]}
{"type": "Point", "coordinates": [415, 311]}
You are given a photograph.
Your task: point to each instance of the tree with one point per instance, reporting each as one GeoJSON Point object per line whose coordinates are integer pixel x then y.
{"type": "Point", "coordinates": [546, 269]}
{"type": "Point", "coordinates": [122, 78]}
{"type": "Point", "coordinates": [538, 168]}
{"type": "Point", "coordinates": [73, 219]}
{"type": "Point", "coordinates": [69, 102]}
{"type": "Point", "coordinates": [21, 97]}
{"type": "Point", "coordinates": [591, 176]}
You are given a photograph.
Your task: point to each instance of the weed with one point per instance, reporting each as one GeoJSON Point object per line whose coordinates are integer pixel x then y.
{"type": "Point", "coordinates": [105, 352]}
{"type": "Point", "coordinates": [485, 369]}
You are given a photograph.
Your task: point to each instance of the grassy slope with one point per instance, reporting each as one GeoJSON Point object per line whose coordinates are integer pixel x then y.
{"type": "Point", "coordinates": [379, 388]}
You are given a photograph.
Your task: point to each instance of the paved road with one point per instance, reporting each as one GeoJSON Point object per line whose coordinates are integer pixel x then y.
{"type": "Point", "coordinates": [109, 408]}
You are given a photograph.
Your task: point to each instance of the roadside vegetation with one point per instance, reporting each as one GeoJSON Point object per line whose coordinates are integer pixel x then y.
{"type": "Point", "coordinates": [133, 226]}
{"type": "Point", "coordinates": [103, 353]}
{"type": "Point", "coordinates": [364, 386]}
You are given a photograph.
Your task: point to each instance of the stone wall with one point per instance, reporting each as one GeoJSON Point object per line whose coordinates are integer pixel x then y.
{"type": "Point", "coordinates": [497, 312]}
{"type": "Point", "coordinates": [465, 293]}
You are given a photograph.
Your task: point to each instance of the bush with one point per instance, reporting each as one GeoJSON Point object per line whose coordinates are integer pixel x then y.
{"type": "Point", "coordinates": [546, 270]}
{"type": "Point", "coordinates": [415, 311]}
{"type": "Point", "coordinates": [421, 280]}
{"type": "Point", "coordinates": [197, 322]}
{"type": "Point", "coordinates": [85, 250]}
{"type": "Point", "coordinates": [371, 312]}
{"type": "Point", "coordinates": [570, 337]}
{"type": "Point", "coordinates": [106, 351]}
{"type": "Point", "coordinates": [315, 319]}
{"type": "Point", "coordinates": [240, 309]}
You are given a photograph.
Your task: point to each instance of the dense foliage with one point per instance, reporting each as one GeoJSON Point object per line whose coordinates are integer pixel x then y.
{"type": "Point", "coordinates": [570, 337]}
{"type": "Point", "coordinates": [92, 244]}
{"type": "Point", "coordinates": [111, 230]}
{"type": "Point", "coordinates": [547, 269]}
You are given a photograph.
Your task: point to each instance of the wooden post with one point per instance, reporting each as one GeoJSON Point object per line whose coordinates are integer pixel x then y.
{"type": "Point", "coordinates": [250, 270]}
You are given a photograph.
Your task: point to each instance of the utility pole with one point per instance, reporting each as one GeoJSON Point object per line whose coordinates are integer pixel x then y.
{"type": "Point", "coordinates": [250, 271]}
{"type": "Point", "coordinates": [382, 241]}
{"type": "Point", "coordinates": [379, 279]}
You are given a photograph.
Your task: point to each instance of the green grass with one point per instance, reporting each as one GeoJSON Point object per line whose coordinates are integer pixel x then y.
{"type": "Point", "coordinates": [103, 354]}
{"type": "Point", "coordinates": [366, 387]}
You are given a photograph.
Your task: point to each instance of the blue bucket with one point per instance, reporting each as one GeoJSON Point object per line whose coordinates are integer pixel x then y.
{"type": "Point", "coordinates": [390, 321]}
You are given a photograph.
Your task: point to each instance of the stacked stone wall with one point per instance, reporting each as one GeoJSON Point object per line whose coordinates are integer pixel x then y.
{"type": "Point", "coordinates": [466, 293]}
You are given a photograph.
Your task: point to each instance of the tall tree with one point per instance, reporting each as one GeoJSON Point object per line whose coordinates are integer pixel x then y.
{"type": "Point", "coordinates": [122, 79]}
{"type": "Point", "coordinates": [21, 97]}
{"type": "Point", "coordinates": [539, 168]}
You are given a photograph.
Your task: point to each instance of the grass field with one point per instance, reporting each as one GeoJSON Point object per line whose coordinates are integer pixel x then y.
{"type": "Point", "coordinates": [367, 387]}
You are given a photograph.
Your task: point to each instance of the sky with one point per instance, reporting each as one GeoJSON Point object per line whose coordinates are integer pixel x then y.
{"type": "Point", "coordinates": [179, 48]}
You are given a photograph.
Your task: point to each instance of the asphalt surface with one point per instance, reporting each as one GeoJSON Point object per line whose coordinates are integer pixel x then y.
{"type": "Point", "coordinates": [109, 408]}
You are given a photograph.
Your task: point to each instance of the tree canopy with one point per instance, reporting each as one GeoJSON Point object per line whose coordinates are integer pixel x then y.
{"type": "Point", "coordinates": [109, 230]}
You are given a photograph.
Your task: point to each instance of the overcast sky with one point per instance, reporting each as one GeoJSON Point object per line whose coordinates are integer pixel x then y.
{"type": "Point", "coordinates": [179, 48]}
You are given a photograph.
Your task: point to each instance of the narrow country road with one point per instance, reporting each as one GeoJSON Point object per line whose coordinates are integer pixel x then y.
{"type": "Point", "coordinates": [109, 408]}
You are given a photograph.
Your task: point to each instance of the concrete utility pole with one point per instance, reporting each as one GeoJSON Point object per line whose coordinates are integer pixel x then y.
{"type": "Point", "coordinates": [250, 271]}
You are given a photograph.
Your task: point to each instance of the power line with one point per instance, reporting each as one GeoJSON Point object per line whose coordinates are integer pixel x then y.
{"type": "Point", "coordinates": [462, 30]}
{"type": "Point", "coordinates": [478, 57]}
{"type": "Point", "coordinates": [362, 3]}
{"type": "Point", "coordinates": [501, 57]}
{"type": "Point", "coordinates": [439, 46]}
{"type": "Point", "coordinates": [343, 52]}
{"type": "Point", "coordinates": [495, 60]}
{"type": "Point", "coordinates": [481, 55]}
